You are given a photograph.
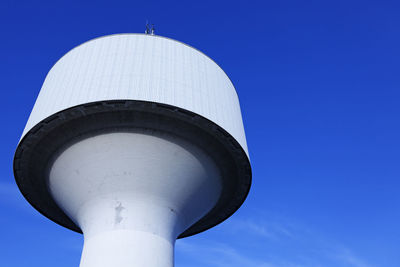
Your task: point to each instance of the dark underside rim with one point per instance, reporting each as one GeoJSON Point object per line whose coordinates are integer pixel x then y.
{"type": "Point", "coordinates": [40, 145]}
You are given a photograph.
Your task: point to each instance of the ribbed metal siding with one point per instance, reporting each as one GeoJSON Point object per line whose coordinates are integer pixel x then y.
{"type": "Point", "coordinates": [141, 67]}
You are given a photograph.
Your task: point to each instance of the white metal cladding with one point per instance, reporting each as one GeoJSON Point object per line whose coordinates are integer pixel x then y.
{"type": "Point", "coordinates": [141, 67]}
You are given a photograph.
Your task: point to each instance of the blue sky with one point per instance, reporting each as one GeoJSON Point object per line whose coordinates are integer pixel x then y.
{"type": "Point", "coordinates": [319, 87]}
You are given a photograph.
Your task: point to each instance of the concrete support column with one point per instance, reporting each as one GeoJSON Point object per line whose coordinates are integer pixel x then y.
{"type": "Point", "coordinates": [133, 194]}
{"type": "Point", "coordinates": [127, 248]}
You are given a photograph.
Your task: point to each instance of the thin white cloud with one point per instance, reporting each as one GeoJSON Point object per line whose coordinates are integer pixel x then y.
{"type": "Point", "coordinates": [9, 193]}
{"type": "Point", "coordinates": [223, 255]}
{"type": "Point", "coordinates": [267, 229]}
{"type": "Point", "coordinates": [248, 243]}
{"type": "Point", "coordinates": [350, 259]}
{"type": "Point", "coordinates": [11, 196]}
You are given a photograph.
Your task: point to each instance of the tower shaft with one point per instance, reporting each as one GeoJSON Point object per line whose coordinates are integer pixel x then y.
{"type": "Point", "coordinates": [132, 194]}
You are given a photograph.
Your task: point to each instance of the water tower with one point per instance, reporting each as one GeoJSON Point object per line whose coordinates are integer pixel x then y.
{"type": "Point", "coordinates": [135, 140]}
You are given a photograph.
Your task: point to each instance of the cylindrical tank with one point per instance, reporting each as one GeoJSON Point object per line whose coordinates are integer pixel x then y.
{"type": "Point", "coordinates": [134, 140]}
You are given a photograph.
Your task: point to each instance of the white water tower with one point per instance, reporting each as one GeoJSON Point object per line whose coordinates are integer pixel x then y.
{"type": "Point", "coordinates": [135, 140]}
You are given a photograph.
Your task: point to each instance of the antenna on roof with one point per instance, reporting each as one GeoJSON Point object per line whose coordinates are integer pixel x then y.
{"type": "Point", "coordinates": [149, 29]}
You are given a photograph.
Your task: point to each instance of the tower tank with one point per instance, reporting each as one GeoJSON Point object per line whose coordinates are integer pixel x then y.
{"type": "Point", "coordinates": [135, 140]}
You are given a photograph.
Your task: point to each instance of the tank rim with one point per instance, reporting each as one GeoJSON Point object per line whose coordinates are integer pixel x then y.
{"type": "Point", "coordinates": [39, 146]}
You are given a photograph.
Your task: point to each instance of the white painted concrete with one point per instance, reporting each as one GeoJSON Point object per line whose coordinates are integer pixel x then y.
{"type": "Point", "coordinates": [141, 67]}
{"type": "Point", "coordinates": [132, 194]}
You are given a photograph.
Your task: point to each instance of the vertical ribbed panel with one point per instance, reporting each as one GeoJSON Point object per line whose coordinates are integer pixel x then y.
{"type": "Point", "coordinates": [141, 67]}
